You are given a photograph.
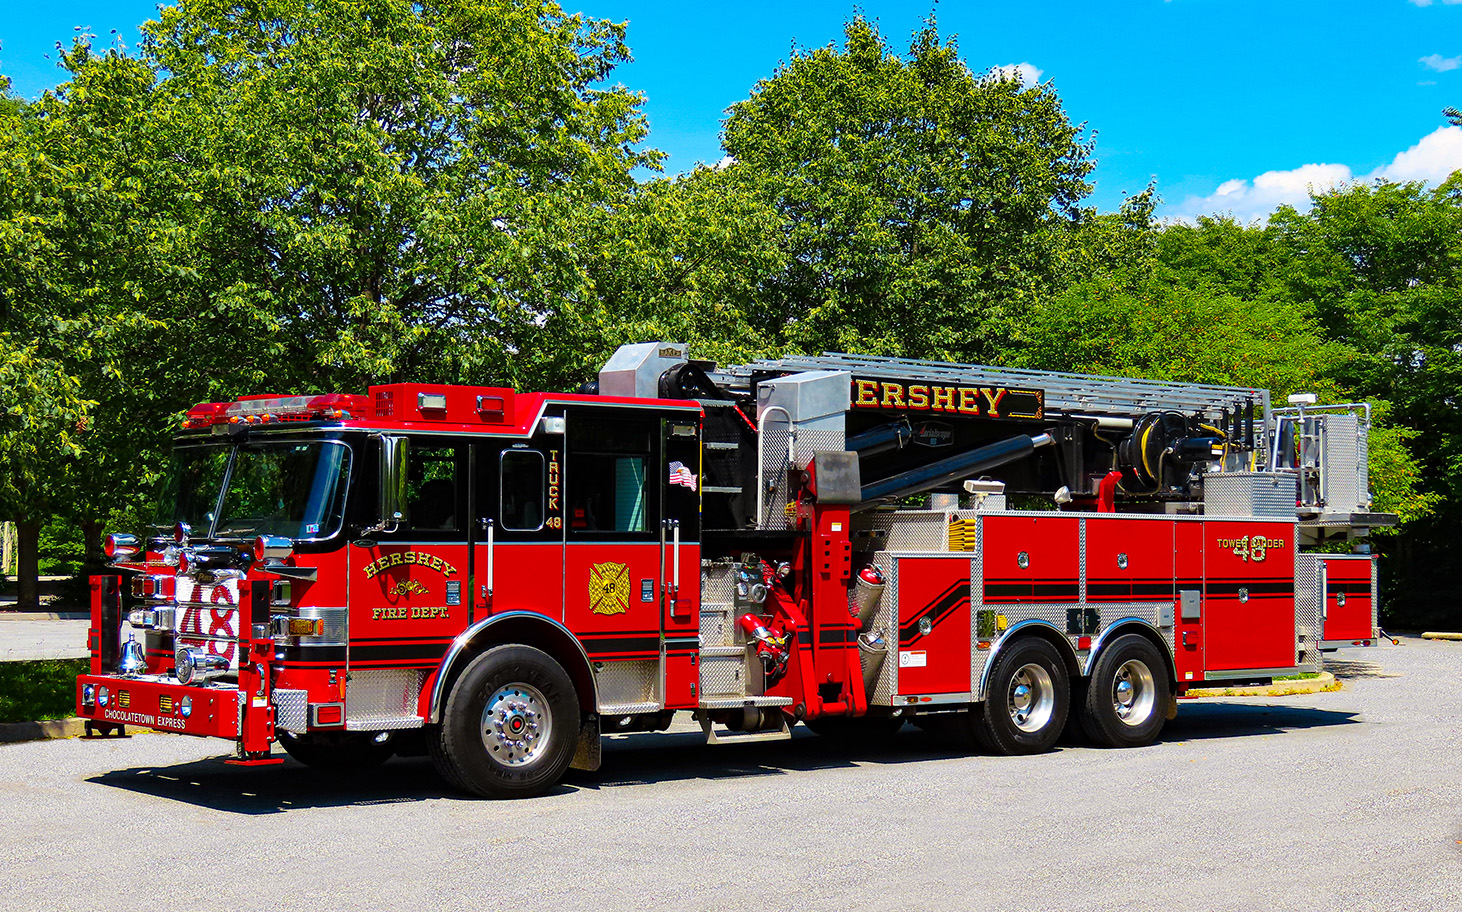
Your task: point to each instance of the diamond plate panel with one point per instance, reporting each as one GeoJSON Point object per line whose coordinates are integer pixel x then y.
{"type": "Point", "coordinates": [1309, 607]}
{"type": "Point", "coordinates": [718, 582]}
{"type": "Point", "coordinates": [1340, 460]}
{"type": "Point", "coordinates": [883, 626]}
{"type": "Point", "coordinates": [724, 676]}
{"type": "Point", "coordinates": [380, 695]}
{"type": "Point", "coordinates": [1375, 599]}
{"type": "Point", "coordinates": [979, 658]}
{"type": "Point", "coordinates": [716, 625]}
{"type": "Point", "coordinates": [906, 530]}
{"type": "Point", "coordinates": [628, 682]}
{"type": "Point", "coordinates": [1269, 494]}
{"type": "Point", "coordinates": [772, 473]}
{"type": "Point", "coordinates": [292, 710]}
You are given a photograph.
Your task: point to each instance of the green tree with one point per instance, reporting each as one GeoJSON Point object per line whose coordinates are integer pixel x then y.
{"type": "Point", "coordinates": [921, 201]}
{"type": "Point", "coordinates": [300, 195]}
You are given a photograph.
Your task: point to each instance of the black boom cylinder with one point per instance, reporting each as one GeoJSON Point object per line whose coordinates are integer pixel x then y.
{"type": "Point", "coordinates": [936, 474]}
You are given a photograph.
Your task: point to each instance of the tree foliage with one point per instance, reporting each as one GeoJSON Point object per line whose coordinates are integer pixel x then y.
{"type": "Point", "coordinates": [920, 201]}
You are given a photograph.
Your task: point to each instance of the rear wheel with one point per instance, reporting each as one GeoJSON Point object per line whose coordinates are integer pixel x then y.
{"type": "Point", "coordinates": [338, 751]}
{"type": "Point", "coordinates": [1127, 697]}
{"type": "Point", "coordinates": [1027, 701]}
{"type": "Point", "coordinates": [510, 725]}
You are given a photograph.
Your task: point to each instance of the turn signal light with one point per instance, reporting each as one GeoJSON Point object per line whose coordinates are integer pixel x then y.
{"type": "Point", "coordinates": [298, 627]}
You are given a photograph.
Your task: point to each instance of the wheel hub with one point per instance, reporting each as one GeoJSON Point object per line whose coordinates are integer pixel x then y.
{"type": "Point", "coordinates": [515, 724]}
{"type": "Point", "coordinates": [1134, 693]}
{"type": "Point", "coordinates": [1032, 698]}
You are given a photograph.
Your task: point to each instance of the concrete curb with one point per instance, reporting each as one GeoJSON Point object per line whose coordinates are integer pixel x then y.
{"type": "Point", "coordinates": [13, 732]}
{"type": "Point", "coordinates": [1434, 635]}
{"type": "Point", "coordinates": [1325, 681]}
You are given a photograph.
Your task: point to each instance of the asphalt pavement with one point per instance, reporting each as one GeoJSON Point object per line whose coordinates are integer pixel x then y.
{"type": "Point", "coordinates": [1345, 800]}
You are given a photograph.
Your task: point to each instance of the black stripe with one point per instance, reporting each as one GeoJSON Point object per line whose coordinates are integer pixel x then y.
{"type": "Point", "coordinates": [401, 652]}
{"type": "Point", "coordinates": [1141, 590]}
{"type": "Point", "coordinates": [1225, 587]}
{"type": "Point", "coordinates": [836, 636]}
{"type": "Point", "coordinates": [804, 637]}
{"type": "Point", "coordinates": [620, 645]}
{"type": "Point", "coordinates": [1349, 588]}
{"type": "Point", "coordinates": [311, 655]}
{"type": "Point", "coordinates": [1108, 590]}
{"type": "Point", "coordinates": [683, 643]}
{"type": "Point", "coordinates": [998, 591]}
{"type": "Point", "coordinates": [1056, 590]}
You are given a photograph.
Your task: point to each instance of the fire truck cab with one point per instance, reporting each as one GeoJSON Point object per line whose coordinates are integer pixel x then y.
{"type": "Point", "coordinates": [496, 578]}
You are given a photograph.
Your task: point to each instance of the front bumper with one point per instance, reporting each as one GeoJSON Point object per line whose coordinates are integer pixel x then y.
{"type": "Point", "coordinates": [152, 701]}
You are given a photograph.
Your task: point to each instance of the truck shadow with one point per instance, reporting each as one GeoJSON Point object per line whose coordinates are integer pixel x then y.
{"type": "Point", "coordinates": [641, 760]}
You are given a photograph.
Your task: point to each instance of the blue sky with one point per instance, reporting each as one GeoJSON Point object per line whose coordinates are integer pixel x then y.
{"type": "Point", "coordinates": [1231, 105]}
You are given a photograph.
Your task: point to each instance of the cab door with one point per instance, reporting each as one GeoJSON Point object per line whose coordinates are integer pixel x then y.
{"type": "Point", "coordinates": [518, 527]}
{"type": "Point", "coordinates": [409, 581]}
{"type": "Point", "coordinates": [613, 556]}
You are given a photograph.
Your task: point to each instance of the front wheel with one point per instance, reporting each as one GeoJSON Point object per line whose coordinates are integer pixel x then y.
{"type": "Point", "coordinates": [510, 725]}
{"type": "Point", "coordinates": [1127, 697]}
{"type": "Point", "coordinates": [1027, 701]}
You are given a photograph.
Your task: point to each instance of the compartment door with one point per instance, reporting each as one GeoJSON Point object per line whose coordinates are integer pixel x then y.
{"type": "Point", "coordinates": [1248, 597]}
{"type": "Point", "coordinates": [1349, 608]}
{"type": "Point", "coordinates": [934, 625]}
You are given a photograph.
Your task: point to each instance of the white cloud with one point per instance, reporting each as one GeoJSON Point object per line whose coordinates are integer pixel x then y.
{"type": "Point", "coordinates": [1028, 73]}
{"type": "Point", "coordinates": [1439, 63]}
{"type": "Point", "coordinates": [1429, 2]}
{"type": "Point", "coordinates": [1432, 159]}
{"type": "Point", "coordinates": [1437, 155]}
{"type": "Point", "coordinates": [1256, 199]}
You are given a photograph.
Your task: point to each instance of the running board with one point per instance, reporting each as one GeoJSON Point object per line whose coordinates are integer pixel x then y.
{"type": "Point", "coordinates": [725, 736]}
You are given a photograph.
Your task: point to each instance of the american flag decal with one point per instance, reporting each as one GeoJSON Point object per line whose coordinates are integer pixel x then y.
{"type": "Point", "coordinates": [680, 475]}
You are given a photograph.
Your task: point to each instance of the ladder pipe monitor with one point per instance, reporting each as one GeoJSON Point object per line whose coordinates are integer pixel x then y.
{"type": "Point", "coordinates": [945, 471]}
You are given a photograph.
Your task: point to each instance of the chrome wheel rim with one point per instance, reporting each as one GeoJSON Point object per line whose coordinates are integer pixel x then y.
{"type": "Point", "coordinates": [1031, 700]}
{"type": "Point", "coordinates": [1134, 694]}
{"type": "Point", "coordinates": [516, 725]}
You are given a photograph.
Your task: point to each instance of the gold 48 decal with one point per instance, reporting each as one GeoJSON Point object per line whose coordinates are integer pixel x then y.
{"type": "Point", "coordinates": [1251, 547]}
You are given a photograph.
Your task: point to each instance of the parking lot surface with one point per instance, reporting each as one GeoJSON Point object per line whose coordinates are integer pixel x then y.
{"type": "Point", "coordinates": [1346, 800]}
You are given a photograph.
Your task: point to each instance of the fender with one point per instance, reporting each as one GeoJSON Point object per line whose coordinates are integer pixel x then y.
{"type": "Point", "coordinates": [464, 638]}
{"type": "Point", "coordinates": [1067, 653]}
{"type": "Point", "coordinates": [1119, 626]}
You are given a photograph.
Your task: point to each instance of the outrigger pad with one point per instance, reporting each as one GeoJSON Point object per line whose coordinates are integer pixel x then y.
{"type": "Point", "coordinates": [836, 479]}
{"type": "Point", "coordinates": [97, 730]}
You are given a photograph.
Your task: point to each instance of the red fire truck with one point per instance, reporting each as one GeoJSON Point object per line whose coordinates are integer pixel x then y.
{"type": "Point", "coordinates": [497, 578]}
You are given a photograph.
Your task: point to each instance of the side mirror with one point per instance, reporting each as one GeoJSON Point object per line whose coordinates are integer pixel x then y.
{"type": "Point", "coordinates": [395, 451]}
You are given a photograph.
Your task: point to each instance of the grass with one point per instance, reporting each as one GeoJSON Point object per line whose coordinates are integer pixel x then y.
{"type": "Point", "coordinates": [31, 691]}
{"type": "Point", "coordinates": [1307, 676]}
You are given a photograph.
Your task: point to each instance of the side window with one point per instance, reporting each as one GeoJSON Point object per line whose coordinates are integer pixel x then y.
{"type": "Point", "coordinates": [524, 490]}
{"type": "Point", "coordinates": [608, 487]}
{"type": "Point", "coordinates": [434, 481]}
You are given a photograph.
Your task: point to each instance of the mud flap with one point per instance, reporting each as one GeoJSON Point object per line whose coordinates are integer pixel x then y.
{"type": "Point", "coordinates": [589, 752]}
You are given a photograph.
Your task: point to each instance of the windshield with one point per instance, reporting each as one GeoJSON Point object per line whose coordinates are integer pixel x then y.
{"type": "Point", "coordinates": [290, 489]}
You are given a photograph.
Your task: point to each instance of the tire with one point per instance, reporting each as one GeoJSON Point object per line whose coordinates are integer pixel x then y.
{"type": "Point", "coordinates": [1028, 699]}
{"type": "Point", "coordinates": [510, 725]}
{"type": "Point", "coordinates": [337, 751]}
{"type": "Point", "coordinates": [1127, 696]}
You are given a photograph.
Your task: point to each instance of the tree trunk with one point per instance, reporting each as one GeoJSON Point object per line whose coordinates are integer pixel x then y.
{"type": "Point", "coordinates": [28, 565]}
{"type": "Point", "coordinates": [92, 558]}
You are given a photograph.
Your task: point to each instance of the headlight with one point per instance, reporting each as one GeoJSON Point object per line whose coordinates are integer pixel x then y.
{"type": "Point", "coordinates": [141, 617]}
{"type": "Point", "coordinates": [88, 694]}
{"type": "Point", "coordinates": [103, 696]}
{"type": "Point", "coordinates": [185, 706]}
